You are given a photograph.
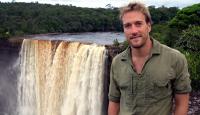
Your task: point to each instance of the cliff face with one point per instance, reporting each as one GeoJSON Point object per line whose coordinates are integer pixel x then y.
{"type": "Point", "coordinates": [10, 44]}
{"type": "Point", "coordinates": [9, 53]}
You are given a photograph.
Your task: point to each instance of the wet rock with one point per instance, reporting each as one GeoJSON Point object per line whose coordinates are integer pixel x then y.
{"type": "Point", "coordinates": [194, 104]}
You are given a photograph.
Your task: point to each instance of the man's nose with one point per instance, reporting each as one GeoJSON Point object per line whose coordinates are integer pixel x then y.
{"type": "Point", "coordinates": [134, 29]}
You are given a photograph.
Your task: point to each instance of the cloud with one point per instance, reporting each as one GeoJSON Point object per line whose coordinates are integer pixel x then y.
{"type": "Point", "coordinates": [115, 3]}
{"type": "Point", "coordinates": [171, 3]}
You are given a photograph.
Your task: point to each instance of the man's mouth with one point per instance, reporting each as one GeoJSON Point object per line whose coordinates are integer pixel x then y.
{"type": "Point", "coordinates": [134, 37]}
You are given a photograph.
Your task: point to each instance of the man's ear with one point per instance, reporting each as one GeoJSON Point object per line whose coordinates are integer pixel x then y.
{"type": "Point", "coordinates": [149, 27]}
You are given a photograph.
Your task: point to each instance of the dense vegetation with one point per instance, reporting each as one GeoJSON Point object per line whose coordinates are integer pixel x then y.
{"type": "Point", "coordinates": [34, 18]}
{"type": "Point", "coordinates": [176, 28]}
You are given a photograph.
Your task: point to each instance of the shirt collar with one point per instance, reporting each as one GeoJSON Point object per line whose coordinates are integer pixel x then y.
{"type": "Point", "coordinates": [156, 50]}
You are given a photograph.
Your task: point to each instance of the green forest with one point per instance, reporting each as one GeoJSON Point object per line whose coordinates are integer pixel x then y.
{"type": "Point", "coordinates": [33, 18]}
{"type": "Point", "coordinates": [177, 28]}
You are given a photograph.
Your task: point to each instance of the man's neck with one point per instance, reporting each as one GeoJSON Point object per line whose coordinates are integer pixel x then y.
{"type": "Point", "coordinates": [143, 51]}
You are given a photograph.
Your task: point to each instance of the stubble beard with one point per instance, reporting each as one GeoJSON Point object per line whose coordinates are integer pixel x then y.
{"type": "Point", "coordinates": [139, 45]}
{"type": "Point", "coordinates": [142, 44]}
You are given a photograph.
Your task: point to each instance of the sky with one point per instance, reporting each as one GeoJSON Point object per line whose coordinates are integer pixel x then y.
{"type": "Point", "coordinates": [115, 3]}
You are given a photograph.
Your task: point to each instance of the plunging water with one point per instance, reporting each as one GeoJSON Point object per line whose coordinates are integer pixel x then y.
{"type": "Point", "coordinates": [60, 78]}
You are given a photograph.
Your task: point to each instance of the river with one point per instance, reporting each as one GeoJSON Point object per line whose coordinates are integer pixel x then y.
{"type": "Point", "coordinates": [102, 38]}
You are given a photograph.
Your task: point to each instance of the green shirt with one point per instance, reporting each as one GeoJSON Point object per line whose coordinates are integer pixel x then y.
{"type": "Point", "coordinates": [150, 93]}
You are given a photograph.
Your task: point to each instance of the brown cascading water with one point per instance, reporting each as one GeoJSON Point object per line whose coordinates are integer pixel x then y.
{"type": "Point", "coordinates": [61, 78]}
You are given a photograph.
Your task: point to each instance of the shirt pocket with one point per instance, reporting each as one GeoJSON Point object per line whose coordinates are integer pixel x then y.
{"type": "Point", "coordinates": [158, 90]}
{"type": "Point", "coordinates": [162, 89]}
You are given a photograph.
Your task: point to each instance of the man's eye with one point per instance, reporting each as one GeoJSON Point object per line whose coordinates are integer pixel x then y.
{"type": "Point", "coordinates": [127, 25]}
{"type": "Point", "coordinates": [138, 24]}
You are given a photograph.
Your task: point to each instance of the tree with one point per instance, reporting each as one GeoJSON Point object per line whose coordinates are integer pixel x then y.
{"type": "Point", "coordinates": [162, 14]}
{"type": "Point", "coordinates": [185, 17]}
{"type": "Point", "coordinates": [189, 43]}
{"type": "Point", "coordinates": [190, 39]}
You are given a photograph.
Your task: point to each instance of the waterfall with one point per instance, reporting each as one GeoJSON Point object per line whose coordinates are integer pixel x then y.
{"type": "Point", "coordinates": [61, 78]}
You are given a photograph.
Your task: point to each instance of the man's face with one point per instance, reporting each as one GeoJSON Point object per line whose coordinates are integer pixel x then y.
{"type": "Point", "coordinates": [136, 29]}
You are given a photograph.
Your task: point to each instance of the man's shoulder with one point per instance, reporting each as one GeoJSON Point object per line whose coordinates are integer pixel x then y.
{"type": "Point", "coordinates": [119, 56]}
{"type": "Point", "coordinates": [171, 51]}
{"type": "Point", "coordinates": [167, 49]}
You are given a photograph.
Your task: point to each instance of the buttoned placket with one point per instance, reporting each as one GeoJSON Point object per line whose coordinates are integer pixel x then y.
{"type": "Point", "coordinates": [139, 80]}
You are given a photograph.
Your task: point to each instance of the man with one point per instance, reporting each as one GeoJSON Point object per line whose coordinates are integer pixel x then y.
{"type": "Point", "coordinates": [147, 75]}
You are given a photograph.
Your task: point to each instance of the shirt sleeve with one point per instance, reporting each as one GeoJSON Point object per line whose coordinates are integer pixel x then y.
{"type": "Point", "coordinates": [182, 81]}
{"type": "Point", "coordinates": [114, 92]}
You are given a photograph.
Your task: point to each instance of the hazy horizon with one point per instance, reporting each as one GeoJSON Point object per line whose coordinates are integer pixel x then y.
{"type": "Point", "coordinates": [113, 3]}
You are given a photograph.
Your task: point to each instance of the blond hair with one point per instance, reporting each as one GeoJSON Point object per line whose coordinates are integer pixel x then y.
{"type": "Point", "coordinates": [136, 6]}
